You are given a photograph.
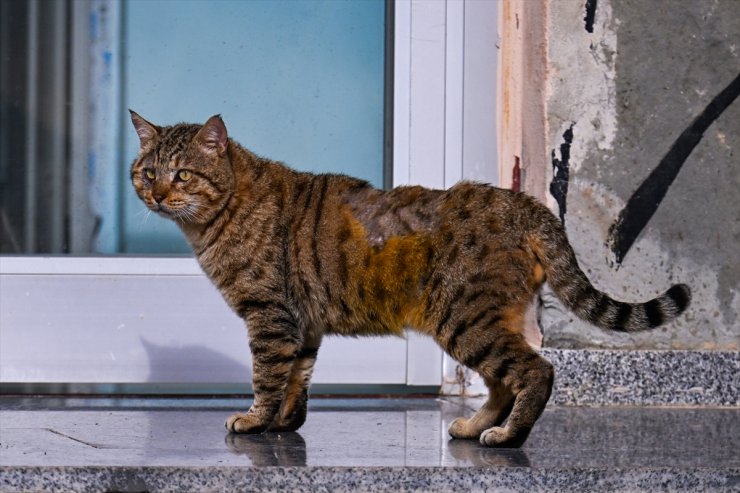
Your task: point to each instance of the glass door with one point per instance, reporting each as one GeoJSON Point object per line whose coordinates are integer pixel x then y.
{"type": "Point", "coordinates": [93, 288]}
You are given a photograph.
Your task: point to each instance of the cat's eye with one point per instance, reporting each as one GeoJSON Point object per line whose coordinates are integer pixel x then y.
{"type": "Point", "coordinates": [184, 174]}
{"type": "Point", "coordinates": [149, 174]}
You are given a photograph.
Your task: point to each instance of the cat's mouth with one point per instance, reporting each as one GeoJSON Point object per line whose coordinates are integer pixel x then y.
{"type": "Point", "coordinates": [184, 213]}
{"type": "Point", "coordinates": [161, 209]}
{"type": "Point", "coordinates": [165, 210]}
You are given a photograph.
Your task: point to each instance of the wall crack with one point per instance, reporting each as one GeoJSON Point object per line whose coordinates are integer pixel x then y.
{"type": "Point", "coordinates": [73, 438]}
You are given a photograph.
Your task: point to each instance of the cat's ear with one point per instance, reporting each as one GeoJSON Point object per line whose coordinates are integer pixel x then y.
{"type": "Point", "coordinates": [213, 136]}
{"type": "Point", "coordinates": [147, 132]}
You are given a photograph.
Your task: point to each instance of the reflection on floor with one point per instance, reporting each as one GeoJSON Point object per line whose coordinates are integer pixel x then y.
{"type": "Point", "coordinates": [393, 444]}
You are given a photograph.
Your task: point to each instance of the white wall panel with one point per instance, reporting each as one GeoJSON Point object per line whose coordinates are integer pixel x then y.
{"type": "Point", "coordinates": [62, 321]}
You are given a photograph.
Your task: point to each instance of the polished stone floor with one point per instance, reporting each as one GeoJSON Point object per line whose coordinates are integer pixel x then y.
{"type": "Point", "coordinates": [39, 435]}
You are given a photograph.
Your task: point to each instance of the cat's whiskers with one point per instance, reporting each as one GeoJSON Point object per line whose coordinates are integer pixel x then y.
{"type": "Point", "coordinates": [144, 214]}
{"type": "Point", "coordinates": [190, 212]}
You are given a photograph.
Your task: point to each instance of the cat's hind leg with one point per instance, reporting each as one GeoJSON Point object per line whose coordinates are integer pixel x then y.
{"type": "Point", "coordinates": [492, 413]}
{"type": "Point", "coordinates": [529, 377]}
{"type": "Point", "coordinates": [294, 407]}
{"type": "Point", "coordinates": [502, 355]}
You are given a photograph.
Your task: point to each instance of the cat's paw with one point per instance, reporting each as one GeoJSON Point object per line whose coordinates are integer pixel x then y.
{"type": "Point", "coordinates": [291, 422]}
{"type": "Point", "coordinates": [502, 437]}
{"type": "Point", "coordinates": [493, 437]}
{"type": "Point", "coordinates": [459, 429]}
{"type": "Point", "coordinates": [292, 413]}
{"type": "Point", "coordinates": [245, 423]}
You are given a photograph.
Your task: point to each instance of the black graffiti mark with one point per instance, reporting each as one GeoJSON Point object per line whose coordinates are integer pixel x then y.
{"type": "Point", "coordinates": [561, 172]}
{"type": "Point", "coordinates": [645, 201]}
{"type": "Point", "coordinates": [590, 15]}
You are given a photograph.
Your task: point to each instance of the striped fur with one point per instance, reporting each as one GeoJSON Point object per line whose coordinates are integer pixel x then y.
{"type": "Point", "coordinates": [577, 293]}
{"type": "Point", "coordinates": [299, 256]}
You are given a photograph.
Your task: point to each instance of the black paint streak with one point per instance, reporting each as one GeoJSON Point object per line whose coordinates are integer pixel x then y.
{"type": "Point", "coordinates": [561, 171]}
{"type": "Point", "coordinates": [648, 196]}
{"type": "Point", "coordinates": [590, 15]}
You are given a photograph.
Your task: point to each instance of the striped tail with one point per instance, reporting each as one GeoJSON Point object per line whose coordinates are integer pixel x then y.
{"type": "Point", "coordinates": [574, 289]}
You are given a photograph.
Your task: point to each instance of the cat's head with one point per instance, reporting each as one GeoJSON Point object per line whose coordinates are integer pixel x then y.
{"type": "Point", "coordinates": [183, 172]}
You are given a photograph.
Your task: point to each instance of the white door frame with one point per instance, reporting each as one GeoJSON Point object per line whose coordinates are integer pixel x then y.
{"type": "Point", "coordinates": [445, 115]}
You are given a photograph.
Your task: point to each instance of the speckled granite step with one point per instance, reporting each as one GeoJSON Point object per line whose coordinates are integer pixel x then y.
{"type": "Point", "coordinates": [365, 479]}
{"type": "Point", "coordinates": [359, 445]}
{"type": "Point", "coordinates": [645, 378]}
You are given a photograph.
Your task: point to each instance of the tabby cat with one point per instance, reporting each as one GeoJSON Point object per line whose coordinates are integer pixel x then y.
{"type": "Point", "coordinates": [299, 256]}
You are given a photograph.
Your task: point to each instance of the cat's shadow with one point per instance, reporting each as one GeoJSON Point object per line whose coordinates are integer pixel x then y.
{"type": "Point", "coordinates": [194, 364]}
{"type": "Point", "coordinates": [473, 452]}
{"type": "Point", "coordinates": [269, 449]}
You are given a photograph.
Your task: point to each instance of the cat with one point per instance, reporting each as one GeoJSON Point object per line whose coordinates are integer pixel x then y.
{"type": "Point", "coordinates": [300, 255]}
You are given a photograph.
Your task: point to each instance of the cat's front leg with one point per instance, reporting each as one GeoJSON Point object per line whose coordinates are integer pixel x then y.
{"type": "Point", "coordinates": [275, 342]}
{"type": "Point", "coordinates": [294, 408]}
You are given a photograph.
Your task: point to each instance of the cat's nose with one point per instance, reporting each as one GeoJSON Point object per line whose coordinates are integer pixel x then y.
{"type": "Point", "coordinates": [158, 197]}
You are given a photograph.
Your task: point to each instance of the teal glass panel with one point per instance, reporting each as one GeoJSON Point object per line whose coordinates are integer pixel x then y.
{"type": "Point", "coordinates": [300, 81]}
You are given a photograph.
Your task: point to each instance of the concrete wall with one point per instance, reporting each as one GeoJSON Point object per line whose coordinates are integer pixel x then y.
{"type": "Point", "coordinates": [643, 164]}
